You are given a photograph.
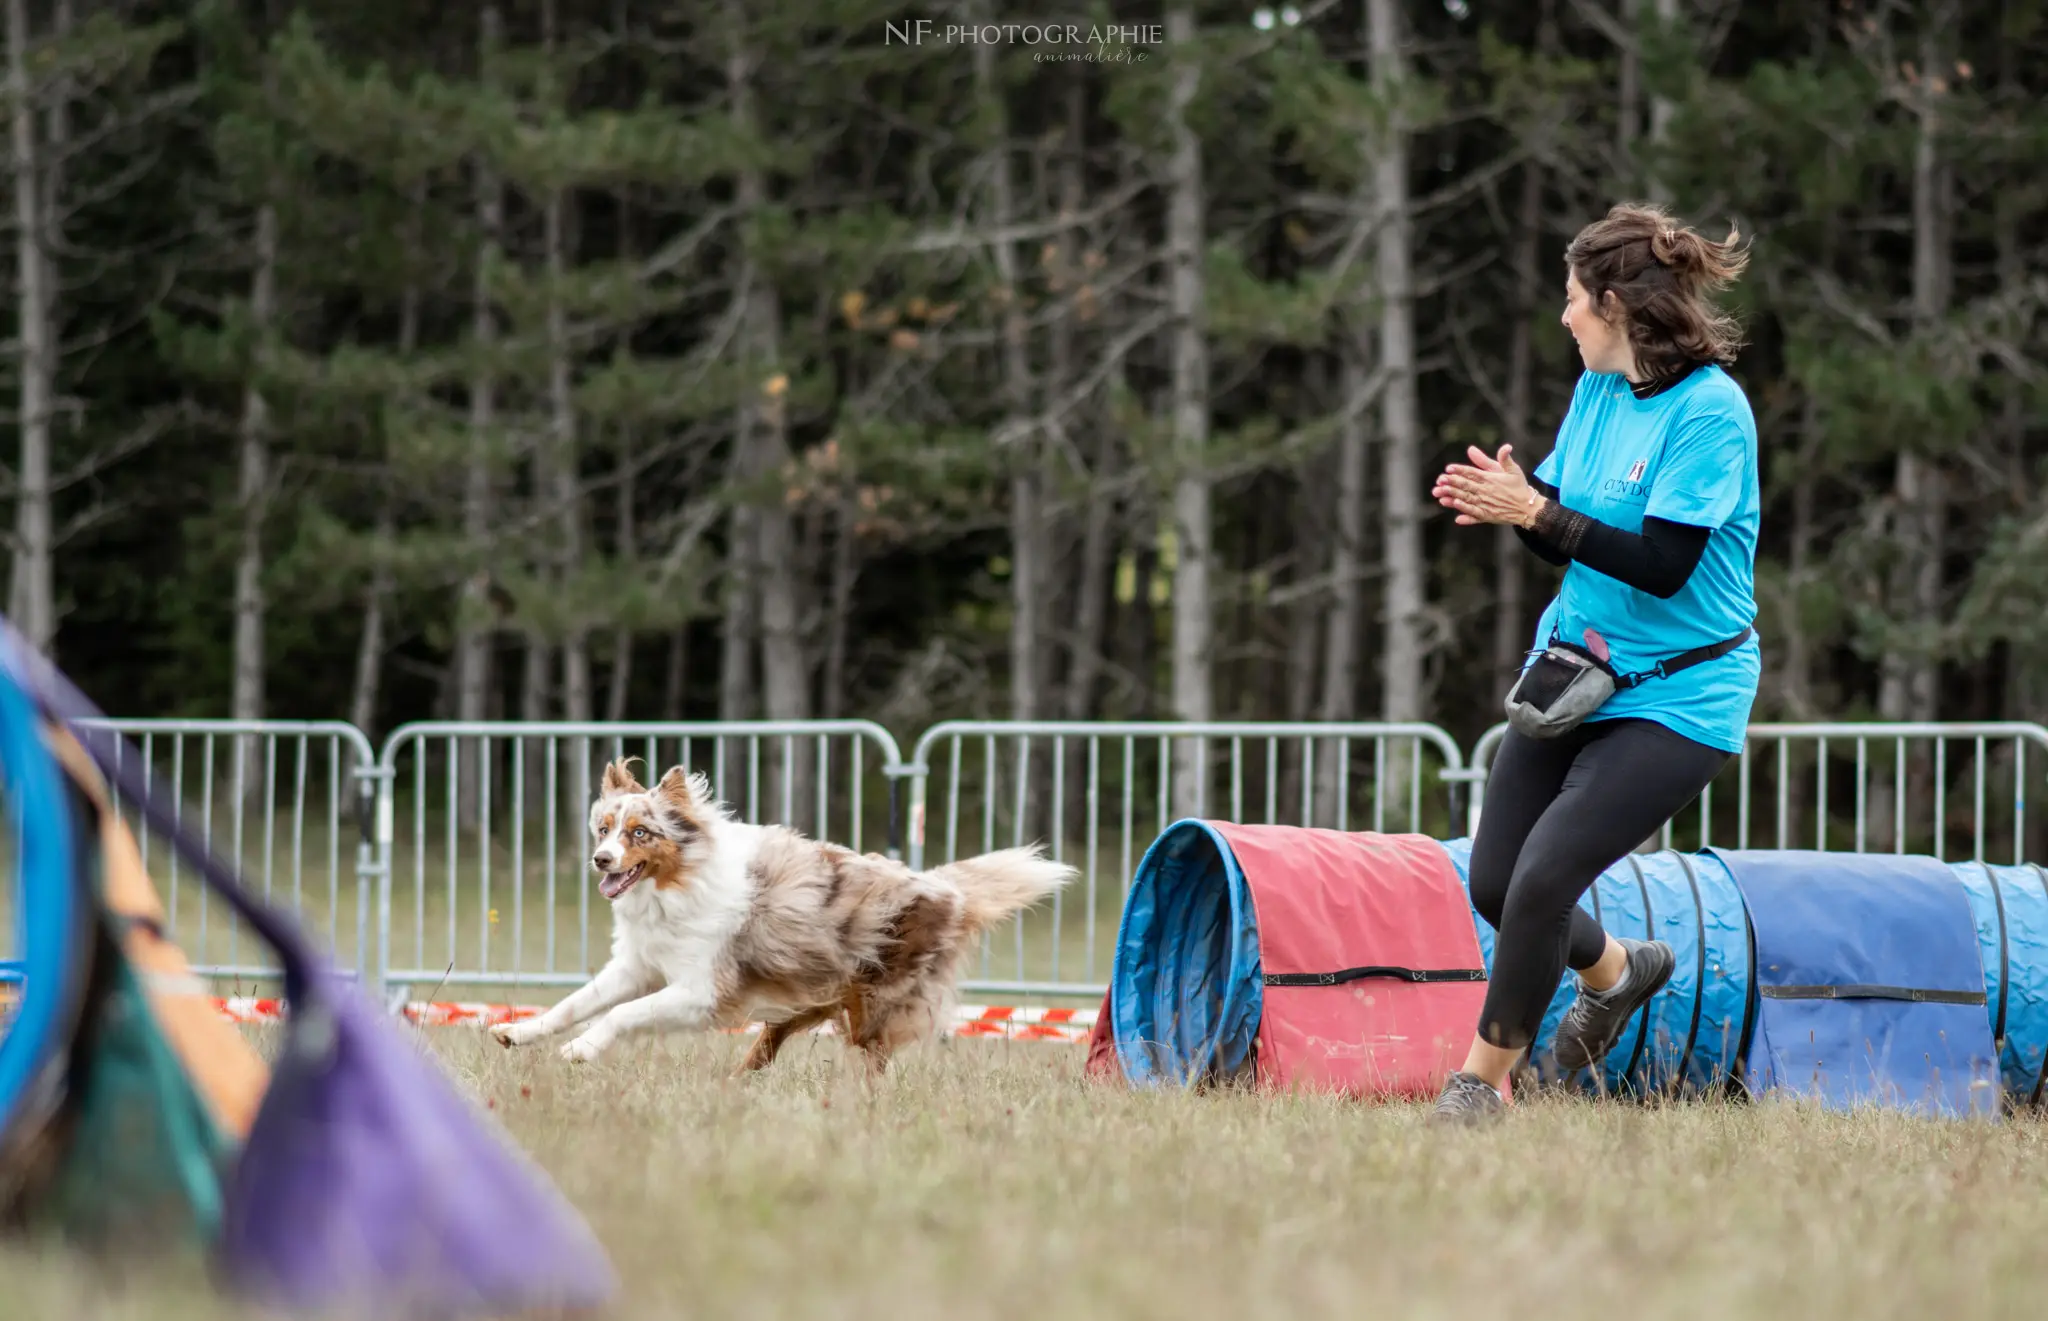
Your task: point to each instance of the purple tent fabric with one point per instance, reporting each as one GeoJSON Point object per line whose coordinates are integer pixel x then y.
{"type": "Point", "coordinates": [368, 1181]}
{"type": "Point", "coordinates": [367, 1178]}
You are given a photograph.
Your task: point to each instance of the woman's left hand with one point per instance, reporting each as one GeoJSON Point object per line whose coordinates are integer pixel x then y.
{"type": "Point", "coordinates": [1492, 490]}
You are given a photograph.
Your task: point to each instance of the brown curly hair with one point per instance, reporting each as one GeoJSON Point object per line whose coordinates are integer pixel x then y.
{"type": "Point", "coordinates": [1661, 273]}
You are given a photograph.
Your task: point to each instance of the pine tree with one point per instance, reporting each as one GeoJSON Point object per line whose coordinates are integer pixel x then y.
{"type": "Point", "coordinates": [75, 103]}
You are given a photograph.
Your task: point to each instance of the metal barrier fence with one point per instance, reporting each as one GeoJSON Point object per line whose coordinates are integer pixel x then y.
{"type": "Point", "coordinates": [471, 845]}
{"type": "Point", "coordinates": [1818, 786]}
{"type": "Point", "coordinates": [1097, 793]}
{"type": "Point", "coordinates": [311, 782]}
{"type": "Point", "coordinates": [492, 856]}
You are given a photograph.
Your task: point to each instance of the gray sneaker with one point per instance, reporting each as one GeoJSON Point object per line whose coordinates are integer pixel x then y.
{"type": "Point", "coordinates": [1596, 1019]}
{"type": "Point", "coordinates": [1469, 1100]}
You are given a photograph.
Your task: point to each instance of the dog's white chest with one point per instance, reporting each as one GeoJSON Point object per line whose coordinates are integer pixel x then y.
{"type": "Point", "coordinates": [673, 950]}
{"type": "Point", "coordinates": [679, 935]}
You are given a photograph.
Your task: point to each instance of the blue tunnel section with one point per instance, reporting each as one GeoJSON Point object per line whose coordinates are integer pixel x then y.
{"type": "Point", "coordinates": [1699, 1025]}
{"type": "Point", "coordinates": [1870, 975]}
{"type": "Point", "coordinates": [1691, 902]}
{"type": "Point", "coordinates": [2010, 905]}
{"type": "Point", "coordinates": [1185, 994]}
{"type": "Point", "coordinates": [1693, 1034]}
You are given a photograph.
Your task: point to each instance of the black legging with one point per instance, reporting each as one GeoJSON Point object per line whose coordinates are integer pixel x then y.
{"type": "Point", "coordinates": [1557, 813]}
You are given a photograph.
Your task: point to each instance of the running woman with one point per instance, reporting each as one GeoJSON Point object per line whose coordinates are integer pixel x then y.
{"type": "Point", "coordinates": [1650, 501]}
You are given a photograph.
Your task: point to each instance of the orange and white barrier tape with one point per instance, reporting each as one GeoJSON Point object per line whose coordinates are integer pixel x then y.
{"type": "Point", "coordinates": [1012, 1022]}
{"type": "Point", "coordinates": [1025, 1022]}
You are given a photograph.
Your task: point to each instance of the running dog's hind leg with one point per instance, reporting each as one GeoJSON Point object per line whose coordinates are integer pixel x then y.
{"type": "Point", "coordinates": [878, 1031]}
{"type": "Point", "coordinates": [774, 1035]}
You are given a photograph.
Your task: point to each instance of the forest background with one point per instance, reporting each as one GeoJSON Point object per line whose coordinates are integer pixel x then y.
{"type": "Point", "coordinates": [627, 359]}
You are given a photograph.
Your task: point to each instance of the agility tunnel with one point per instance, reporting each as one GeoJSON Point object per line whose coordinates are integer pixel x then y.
{"type": "Point", "coordinates": [1290, 957]}
{"type": "Point", "coordinates": [345, 1172]}
{"type": "Point", "coordinates": [1295, 957]}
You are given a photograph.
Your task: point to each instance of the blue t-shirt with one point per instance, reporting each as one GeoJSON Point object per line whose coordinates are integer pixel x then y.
{"type": "Point", "coordinates": [1688, 455]}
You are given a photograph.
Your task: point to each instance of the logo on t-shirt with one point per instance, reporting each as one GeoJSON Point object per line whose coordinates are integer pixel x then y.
{"type": "Point", "coordinates": [1629, 487]}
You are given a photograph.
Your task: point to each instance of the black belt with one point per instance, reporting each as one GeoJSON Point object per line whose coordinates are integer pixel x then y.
{"type": "Point", "coordinates": [1360, 974]}
{"type": "Point", "coordinates": [1913, 993]}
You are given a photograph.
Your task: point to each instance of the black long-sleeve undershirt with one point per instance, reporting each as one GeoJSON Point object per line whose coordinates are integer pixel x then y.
{"type": "Point", "coordinates": [1534, 540]}
{"type": "Point", "coordinates": [1658, 560]}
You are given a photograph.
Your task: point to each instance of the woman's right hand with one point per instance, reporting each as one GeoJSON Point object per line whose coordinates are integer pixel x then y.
{"type": "Point", "coordinates": [1442, 489]}
{"type": "Point", "coordinates": [1490, 490]}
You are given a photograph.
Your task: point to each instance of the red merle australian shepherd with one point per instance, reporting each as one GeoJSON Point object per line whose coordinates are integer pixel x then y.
{"type": "Point", "coordinates": [717, 923]}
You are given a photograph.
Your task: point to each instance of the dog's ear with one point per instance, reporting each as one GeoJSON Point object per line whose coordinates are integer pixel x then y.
{"type": "Point", "coordinates": [619, 780]}
{"type": "Point", "coordinates": [686, 788]}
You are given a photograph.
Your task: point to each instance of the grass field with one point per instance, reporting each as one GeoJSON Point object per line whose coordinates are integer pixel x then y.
{"type": "Point", "coordinates": [988, 1179]}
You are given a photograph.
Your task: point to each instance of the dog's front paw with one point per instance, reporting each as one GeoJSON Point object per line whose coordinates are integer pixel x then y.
{"type": "Point", "coordinates": [582, 1050]}
{"type": "Point", "coordinates": [515, 1034]}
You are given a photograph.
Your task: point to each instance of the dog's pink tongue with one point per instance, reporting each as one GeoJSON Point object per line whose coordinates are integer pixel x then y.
{"type": "Point", "coordinates": [612, 885]}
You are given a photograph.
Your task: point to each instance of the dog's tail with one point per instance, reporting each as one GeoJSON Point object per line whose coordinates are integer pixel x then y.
{"type": "Point", "coordinates": [997, 885]}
